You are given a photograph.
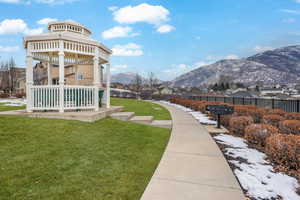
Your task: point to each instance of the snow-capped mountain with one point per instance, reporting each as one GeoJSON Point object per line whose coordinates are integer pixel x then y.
{"type": "Point", "coordinates": [279, 66]}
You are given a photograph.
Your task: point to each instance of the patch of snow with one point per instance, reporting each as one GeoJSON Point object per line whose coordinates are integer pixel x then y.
{"type": "Point", "coordinates": [13, 102]}
{"type": "Point", "coordinates": [200, 117]}
{"type": "Point", "coordinates": [257, 175]}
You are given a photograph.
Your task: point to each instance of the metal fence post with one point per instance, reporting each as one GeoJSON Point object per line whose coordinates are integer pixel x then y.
{"type": "Point", "coordinates": [273, 103]}
{"type": "Point", "coordinates": [298, 106]}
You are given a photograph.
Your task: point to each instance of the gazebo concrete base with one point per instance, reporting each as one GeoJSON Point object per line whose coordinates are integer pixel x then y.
{"type": "Point", "coordinates": [85, 116]}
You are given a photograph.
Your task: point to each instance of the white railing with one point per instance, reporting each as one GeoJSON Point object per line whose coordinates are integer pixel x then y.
{"type": "Point", "coordinates": [79, 97]}
{"type": "Point", "coordinates": [75, 97]}
{"type": "Point", "coordinates": [45, 97]}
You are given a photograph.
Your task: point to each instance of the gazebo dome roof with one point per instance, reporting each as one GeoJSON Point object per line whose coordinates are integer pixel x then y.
{"type": "Point", "coordinates": [67, 30]}
{"type": "Point", "coordinates": [70, 26]}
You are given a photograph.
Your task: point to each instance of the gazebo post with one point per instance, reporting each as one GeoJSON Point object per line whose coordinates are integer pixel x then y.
{"type": "Point", "coordinates": [108, 85]}
{"type": "Point", "coordinates": [29, 78]}
{"type": "Point", "coordinates": [96, 78]}
{"type": "Point", "coordinates": [49, 71]}
{"type": "Point", "coordinates": [61, 61]}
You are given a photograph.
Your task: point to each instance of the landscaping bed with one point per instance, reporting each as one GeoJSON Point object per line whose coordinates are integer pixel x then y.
{"type": "Point", "coordinates": [60, 159]}
{"type": "Point", "coordinates": [262, 148]}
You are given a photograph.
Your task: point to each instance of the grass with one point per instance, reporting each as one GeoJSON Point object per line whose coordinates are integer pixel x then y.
{"type": "Point", "coordinates": [142, 108]}
{"type": "Point", "coordinates": [3, 107]}
{"type": "Point", "coordinates": [59, 159]}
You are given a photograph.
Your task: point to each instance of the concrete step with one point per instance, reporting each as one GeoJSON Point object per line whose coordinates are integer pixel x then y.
{"type": "Point", "coordinates": [162, 123]}
{"type": "Point", "coordinates": [142, 119]}
{"type": "Point", "coordinates": [124, 116]}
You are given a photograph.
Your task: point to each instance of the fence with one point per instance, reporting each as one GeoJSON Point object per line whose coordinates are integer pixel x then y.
{"type": "Point", "coordinates": [286, 105]}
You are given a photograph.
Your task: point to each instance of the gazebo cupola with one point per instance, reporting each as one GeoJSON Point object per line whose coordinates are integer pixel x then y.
{"type": "Point", "coordinates": [67, 43]}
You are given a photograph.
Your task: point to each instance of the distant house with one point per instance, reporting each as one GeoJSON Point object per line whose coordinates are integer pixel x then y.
{"type": "Point", "coordinates": [269, 91]}
{"type": "Point", "coordinates": [245, 94]}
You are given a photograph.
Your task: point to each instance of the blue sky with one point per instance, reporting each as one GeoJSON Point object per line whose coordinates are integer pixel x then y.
{"type": "Point", "coordinates": [165, 37]}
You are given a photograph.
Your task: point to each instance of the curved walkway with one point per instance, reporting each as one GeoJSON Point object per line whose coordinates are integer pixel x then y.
{"type": "Point", "coordinates": [192, 167]}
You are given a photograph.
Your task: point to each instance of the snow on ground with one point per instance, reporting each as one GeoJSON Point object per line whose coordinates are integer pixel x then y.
{"type": "Point", "coordinates": [13, 102]}
{"type": "Point", "coordinates": [200, 117]}
{"type": "Point", "coordinates": [257, 175]}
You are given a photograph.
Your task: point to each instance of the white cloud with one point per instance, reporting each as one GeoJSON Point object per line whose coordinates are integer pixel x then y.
{"type": "Point", "coordinates": [8, 49]}
{"type": "Point", "coordinates": [262, 48]}
{"type": "Point", "coordinates": [16, 26]}
{"type": "Point", "coordinates": [118, 31]}
{"type": "Point", "coordinates": [141, 13]}
{"type": "Point", "coordinates": [165, 28]}
{"type": "Point", "coordinates": [232, 57]}
{"type": "Point", "coordinates": [296, 12]}
{"type": "Point", "coordinates": [12, 26]}
{"type": "Point", "coordinates": [112, 8]}
{"type": "Point", "coordinates": [46, 21]}
{"type": "Point", "coordinates": [116, 68]}
{"type": "Point", "coordinates": [130, 49]}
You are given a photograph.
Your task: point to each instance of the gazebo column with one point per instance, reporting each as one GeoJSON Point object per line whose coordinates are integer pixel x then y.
{"type": "Point", "coordinates": [96, 79]}
{"type": "Point", "coordinates": [108, 85]}
{"type": "Point", "coordinates": [29, 78]}
{"type": "Point", "coordinates": [49, 71]}
{"type": "Point", "coordinates": [61, 60]}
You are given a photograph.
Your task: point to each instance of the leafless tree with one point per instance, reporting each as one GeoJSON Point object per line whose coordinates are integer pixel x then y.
{"type": "Point", "coordinates": [152, 82]}
{"type": "Point", "coordinates": [138, 84]}
{"type": "Point", "coordinates": [8, 76]}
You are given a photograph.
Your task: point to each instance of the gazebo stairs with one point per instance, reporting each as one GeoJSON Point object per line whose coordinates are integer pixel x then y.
{"type": "Point", "coordinates": [147, 120]}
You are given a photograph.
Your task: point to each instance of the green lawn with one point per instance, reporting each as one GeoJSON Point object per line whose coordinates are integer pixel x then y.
{"type": "Point", "coordinates": [3, 107]}
{"type": "Point", "coordinates": [58, 159]}
{"type": "Point", "coordinates": [142, 108]}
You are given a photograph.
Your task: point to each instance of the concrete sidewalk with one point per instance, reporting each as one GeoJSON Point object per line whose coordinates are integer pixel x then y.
{"type": "Point", "coordinates": [192, 167]}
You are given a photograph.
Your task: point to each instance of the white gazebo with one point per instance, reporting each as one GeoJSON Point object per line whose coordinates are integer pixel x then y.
{"type": "Point", "coordinates": [66, 44]}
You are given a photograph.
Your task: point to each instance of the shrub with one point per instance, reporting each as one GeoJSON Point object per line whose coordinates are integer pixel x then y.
{"type": "Point", "coordinates": [225, 119]}
{"type": "Point", "coordinates": [258, 133]}
{"type": "Point", "coordinates": [284, 150]}
{"type": "Point", "coordinates": [273, 120]}
{"type": "Point", "coordinates": [4, 95]}
{"type": "Point", "coordinates": [20, 95]}
{"type": "Point", "coordinates": [255, 112]}
{"type": "Point", "coordinates": [237, 125]}
{"type": "Point", "coordinates": [291, 116]}
{"type": "Point", "coordinates": [276, 112]}
{"type": "Point", "coordinates": [290, 127]}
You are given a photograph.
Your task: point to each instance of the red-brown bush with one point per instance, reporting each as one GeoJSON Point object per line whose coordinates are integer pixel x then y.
{"type": "Point", "coordinates": [4, 95]}
{"type": "Point", "coordinates": [255, 112]}
{"type": "Point", "coordinates": [20, 95]}
{"type": "Point", "coordinates": [237, 125]}
{"type": "Point", "coordinates": [284, 150]}
{"type": "Point", "coordinates": [290, 127]}
{"type": "Point", "coordinates": [276, 112]}
{"type": "Point", "coordinates": [273, 120]}
{"type": "Point", "coordinates": [258, 133]}
{"type": "Point", "coordinates": [291, 116]}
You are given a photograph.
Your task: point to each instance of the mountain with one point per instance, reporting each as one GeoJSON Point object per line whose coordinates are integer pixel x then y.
{"type": "Point", "coordinates": [279, 66]}
{"type": "Point", "coordinates": [124, 78]}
